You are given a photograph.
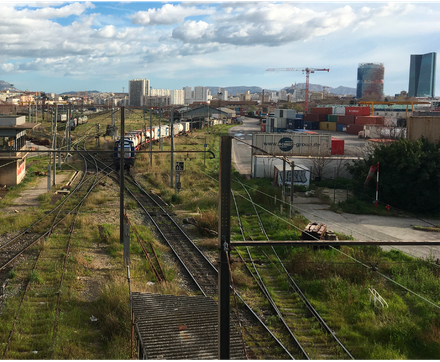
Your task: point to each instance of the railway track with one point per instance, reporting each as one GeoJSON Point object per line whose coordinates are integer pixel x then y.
{"type": "Point", "coordinates": [33, 331]}
{"type": "Point", "coordinates": [300, 326]}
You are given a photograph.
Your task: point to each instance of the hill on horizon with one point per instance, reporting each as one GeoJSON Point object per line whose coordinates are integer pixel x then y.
{"type": "Point", "coordinates": [8, 86]}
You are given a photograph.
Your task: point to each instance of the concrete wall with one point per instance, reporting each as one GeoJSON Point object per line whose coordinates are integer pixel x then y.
{"type": "Point", "coordinates": [428, 127]}
{"type": "Point", "coordinates": [8, 121]}
{"type": "Point", "coordinates": [326, 167]}
{"type": "Point", "coordinates": [12, 174]}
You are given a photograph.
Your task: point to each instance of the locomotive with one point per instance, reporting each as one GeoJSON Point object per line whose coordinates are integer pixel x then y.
{"type": "Point", "coordinates": [135, 140]}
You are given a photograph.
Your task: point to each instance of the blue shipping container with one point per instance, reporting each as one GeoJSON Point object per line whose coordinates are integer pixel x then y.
{"type": "Point", "coordinates": [299, 116]}
{"type": "Point", "coordinates": [310, 126]}
{"type": "Point", "coordinates": [299, 123]}
{"type": "Point", "coordinates": [341, 127]}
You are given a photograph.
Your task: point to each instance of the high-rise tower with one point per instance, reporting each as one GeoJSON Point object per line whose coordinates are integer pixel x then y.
{"type": "Point", "coordinates": [370, 80]}
{"type": "Point", "coordinates": [422, 75]}
{"type": "Point", "coordinates": [137, 90]}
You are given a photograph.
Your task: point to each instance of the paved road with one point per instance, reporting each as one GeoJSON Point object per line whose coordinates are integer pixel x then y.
{"type": "Point", "coordinates": [362, 227]}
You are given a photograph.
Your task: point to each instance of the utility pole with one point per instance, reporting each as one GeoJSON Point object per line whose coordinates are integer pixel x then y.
{"type": "Point", "coordinates": [160, 129]}
{"type": "Point", "coordinates": [284, 185]}
{"type": "Point", "coordinates": [172, 146]}
{"type": "Point", "coordinates": [224, 238]}
{"type": "Point", "coordinates": [151, 135]}
{"type": "Point", "coordinates": [124, 229]}
{"type": "Point", "coordinates": [54, 145]}
{"type": "Point", "coordinates": [292, 178]}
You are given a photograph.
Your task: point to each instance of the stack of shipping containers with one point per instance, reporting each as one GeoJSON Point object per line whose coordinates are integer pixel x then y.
{"type": "Point", "coordinates": [336, 119]}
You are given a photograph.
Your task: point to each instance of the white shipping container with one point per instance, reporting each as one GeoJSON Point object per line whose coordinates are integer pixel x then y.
{"type": "Point", "coordinates": [265, 167]}
{"type": "Point", "coordinates": [339, 110]}
{"type": "Point", "coordinates": [290, 113]}
{"type": "Point", "coordinates": [301, 175]}
{"type": "Point", "coordinates": [280, 123]}
{"type": "Point", "coordinates": [291, 144]}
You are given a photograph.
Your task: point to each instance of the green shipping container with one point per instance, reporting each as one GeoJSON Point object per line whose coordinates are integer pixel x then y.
{"type": "Point", "coordinates": [327, 126]}
{"type": "Point", "coordinates": [332, 118]}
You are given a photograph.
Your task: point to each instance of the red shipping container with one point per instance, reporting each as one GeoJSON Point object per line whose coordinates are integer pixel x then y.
{"type": "Point", "coordinates": [263, 127]}
{"type": "Point", "coordinates": [337, 146]}
{"type": "Point", "coordinates": [357, 111]}
{"type": "Point", "coordinates": [314, 117]}
{"type": "Point", "coordinates": [346, 119]}
{"type": "Point", "coordinates": [354, 128]}
{"type": "Point", "coordinates": [311, 117]}
{"type": "Point", "coordinates": [321, 110]}
{"type": "Point", "coordinates": [368, 120]}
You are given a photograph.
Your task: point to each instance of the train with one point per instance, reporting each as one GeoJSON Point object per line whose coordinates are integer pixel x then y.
{"type": "Point", "coordinates": [137, 139]}
{"type": "Point", "coordinates": [74, 122]}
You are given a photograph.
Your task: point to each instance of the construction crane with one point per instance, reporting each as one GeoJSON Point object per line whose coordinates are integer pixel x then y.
{"type": "Point", "coordinates": [304, 70]}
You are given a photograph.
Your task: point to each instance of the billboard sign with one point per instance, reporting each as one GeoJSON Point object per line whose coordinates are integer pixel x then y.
{"type": "Point", "coordinates": [293, 144]}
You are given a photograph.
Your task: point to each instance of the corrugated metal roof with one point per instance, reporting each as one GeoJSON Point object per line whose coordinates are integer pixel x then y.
{"type": "Point", "coordinates": [180, 327]}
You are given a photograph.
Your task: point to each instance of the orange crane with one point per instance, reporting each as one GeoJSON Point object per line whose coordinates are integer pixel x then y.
{"type": "Point", "coordinates": [304, 70]}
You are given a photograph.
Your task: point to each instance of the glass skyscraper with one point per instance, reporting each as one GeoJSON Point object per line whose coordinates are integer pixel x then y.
{"type": "Point", "coordinates": [370, 80]}
{"type": "Point", "coordinates": [422, 75]}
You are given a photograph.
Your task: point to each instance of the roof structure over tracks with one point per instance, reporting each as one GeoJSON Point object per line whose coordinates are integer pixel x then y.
{"type": "Point", "coordinates": [179, 327]}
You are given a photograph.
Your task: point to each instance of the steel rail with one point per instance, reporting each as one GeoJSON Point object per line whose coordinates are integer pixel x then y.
{"type": "Point", "coordinates": [199, 252]}
{"type": "Point", "coordinates": [296, 287]}
{"type": "Point", "coordinates": [267, 294]}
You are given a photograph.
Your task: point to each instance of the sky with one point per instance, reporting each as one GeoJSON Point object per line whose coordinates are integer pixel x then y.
{"type": "Point", "coordinates": [75, 46]}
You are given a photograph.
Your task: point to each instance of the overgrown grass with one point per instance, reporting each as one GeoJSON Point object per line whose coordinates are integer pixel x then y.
{"type": "Point", "coordinates": [338, 287]}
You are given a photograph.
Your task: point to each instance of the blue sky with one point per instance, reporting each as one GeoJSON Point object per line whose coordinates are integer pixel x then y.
{"type": "Point", "coordinates": [63, 46]}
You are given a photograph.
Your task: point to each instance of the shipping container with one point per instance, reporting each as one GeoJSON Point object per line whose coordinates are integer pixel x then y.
{"type": "Point", "coordinates": [357, 111]}
{"type": "Point", "coordinates": [263, 127]}
{"type": "Point", "coordinates": [339, 110]}
{"type": "Point", "coordinates": [311, 125]}
{"type": "Point", "coordinates": [332, 118]}
{"type": "Point", "coordinates": [301, 174]}
{"type": "Point", "coordinates": [327, 126]}
{"type": "Point", "coordinates": [280, 123]}
{"type": "Point", "coordinates": [263, 166]}
{"type": "Point", "coordinates": [314, 117]}
{"type": "Point", "coordinates": [294, 123]}
{"type": "Point", "coordinates": [346, 119]}
{"type": "Point", "coordinates": [337, 146]}
{"type": "Point", "coordinates": [354, 128]}
{"type": "Point", "coordinates": [321, 110]}
{"type": "Point", "coordinates": [341, 127]}
{"type": "Point", "coordinates": [368, 120]}
{"type": "Point", "coordinates": [300, 144]}
{"type": "Point", "coordinates": [299, 116]}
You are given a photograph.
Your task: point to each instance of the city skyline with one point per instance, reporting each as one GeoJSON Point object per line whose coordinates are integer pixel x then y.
{"type": "Point", "coordinates": [102, 45]}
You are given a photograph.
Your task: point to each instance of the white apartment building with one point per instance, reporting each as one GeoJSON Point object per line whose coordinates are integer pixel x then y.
{"type": "Point", "coordinates": [160, 92]}
{"type": "Point", "coordinates": [178, 97]}
{"type": "Point", "coordinates": [282, 95]}
{"type": "Point", "coordinates": [137, 90]}
{"type": "Point", "coordinates": [188, 95]}
{"type": "Point", "coordinates": [223, 94]}
{"type": "Point", "coordinates": [200, 94]}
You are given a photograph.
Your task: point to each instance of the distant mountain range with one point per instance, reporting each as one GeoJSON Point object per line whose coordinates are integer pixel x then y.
{"type": "Point", "coordinates": [312, 87]}
{"type": "Point", "coordinates": [8, 86]}
{"type": "Point", "coordinates": [75, 92]}
{"type": "Point", "coordinates": [231, 90]}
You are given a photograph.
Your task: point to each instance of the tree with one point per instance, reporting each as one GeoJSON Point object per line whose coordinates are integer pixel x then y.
{"type": "Point", "coordinates": [409, 174]}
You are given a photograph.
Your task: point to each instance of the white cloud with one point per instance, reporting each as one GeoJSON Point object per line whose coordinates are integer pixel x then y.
{"type": "Point", "coordinates": [168, 14]}
{"type": "Point", "coordinates": [107, 31]}
{"type": "Point", "coordinates": [7, 67]}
